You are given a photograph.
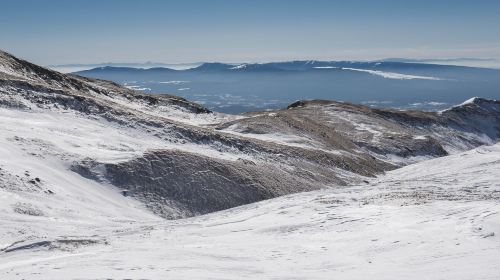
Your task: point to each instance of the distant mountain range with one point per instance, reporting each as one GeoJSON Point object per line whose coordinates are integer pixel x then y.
{"type": "Point", "coordinates": [236, 88]}
{"type": "Point", "coordinates": [405, 67]}
{"type": "Point", "coordinates": [462, 61]}
{"type": "Point", "coordinates": [68, 68]}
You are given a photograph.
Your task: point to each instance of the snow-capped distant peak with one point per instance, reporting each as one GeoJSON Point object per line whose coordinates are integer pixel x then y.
{"type": "Point", "coordinates": [469, 101]}
{"type": "Point", "coordinates": [491, 105]}
{"type": "Point", "coordinates": [241, 66]}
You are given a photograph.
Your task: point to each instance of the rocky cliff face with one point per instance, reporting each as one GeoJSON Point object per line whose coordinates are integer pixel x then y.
{"type": "Point", "coordinates": [180, 159]}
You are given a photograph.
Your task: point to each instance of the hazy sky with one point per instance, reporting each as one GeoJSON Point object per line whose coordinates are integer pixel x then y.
{"type": "Point", "coordinates": [59, 32]}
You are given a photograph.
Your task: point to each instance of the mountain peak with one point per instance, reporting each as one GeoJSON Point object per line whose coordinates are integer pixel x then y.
{"type": "Point", "coordinates": [478, 103]}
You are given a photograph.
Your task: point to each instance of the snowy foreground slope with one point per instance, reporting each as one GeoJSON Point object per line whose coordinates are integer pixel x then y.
{"type": "Point", "coordinates": [438, 219]}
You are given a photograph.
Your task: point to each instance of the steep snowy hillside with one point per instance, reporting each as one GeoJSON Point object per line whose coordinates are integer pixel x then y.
{"type": "Point", "coordinates": [437, 219]}
{"type": "Point", "coordinates": [180, 159]}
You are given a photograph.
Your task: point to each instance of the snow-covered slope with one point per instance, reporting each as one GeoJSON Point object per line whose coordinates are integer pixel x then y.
{"type": "Point", "coordinates": [434, 220]}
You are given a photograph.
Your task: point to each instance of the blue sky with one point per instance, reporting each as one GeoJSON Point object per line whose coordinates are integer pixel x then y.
{"type": "Point", "coordinates": [59, 32]}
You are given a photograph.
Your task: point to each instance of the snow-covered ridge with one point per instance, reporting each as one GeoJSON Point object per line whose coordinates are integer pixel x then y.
{"type": "Point", "coordinates": [476, 103]}
{"type": "Point", "coordinates": [469, 101]}
{"type": "Point", "coordinates": [480, 101]}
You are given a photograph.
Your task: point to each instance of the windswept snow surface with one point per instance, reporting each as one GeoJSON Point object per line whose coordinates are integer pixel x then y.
{"type": "Point", "coordinates": [438, 219]}
{"type": "Point", "coordinates": [73, 136]}
{"type": "Point", "coordinates": [283, 139]}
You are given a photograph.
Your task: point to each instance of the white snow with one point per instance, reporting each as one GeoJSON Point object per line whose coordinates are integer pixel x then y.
{"type": "Point", "coordinates": [468, 101]}
{"type": "Point", "coordinates": [280, 138]}
{"type": "Point", "coordinates": [241, 66]}
{"type": "Point", "coordinates": [429, 103]}
{"type": "Point", "coordinates": [138, 88]}
{"type": "Point", "coordinates": [174, 82]}
{"type": "Point", "coordinates": [73, 135]}
{"type": "Point", "coordinates": [326, 67]}
{"type": "Point", "coordinates": [387, 75]}
{"type": "Point", "coordinates": [9, 71]}
{"type": "Point", "coordinates": [21, 73]}
{"type": "Point", "coordinates": [172, 112]}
